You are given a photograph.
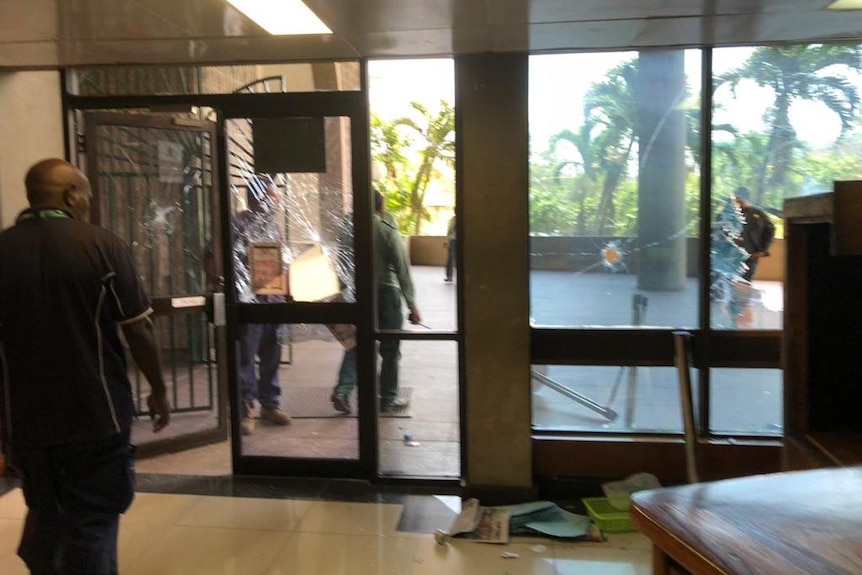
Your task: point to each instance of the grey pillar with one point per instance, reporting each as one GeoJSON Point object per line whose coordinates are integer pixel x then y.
{"type": "Point", "coordinates": [493, 183]}
{"type": "Point", "coordinates": [661, 132]}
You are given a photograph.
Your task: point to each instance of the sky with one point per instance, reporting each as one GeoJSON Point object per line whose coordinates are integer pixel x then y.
{"type": "Point", "coordinates": [393, 84]}
{"type": "Point", "coordinates": [559, 82]}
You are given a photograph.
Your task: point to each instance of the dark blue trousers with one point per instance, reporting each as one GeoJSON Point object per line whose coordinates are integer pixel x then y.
{"type": "Point", "coordinates": [260, 341]}
{"type": "Point", "coordinates": [75, 494]}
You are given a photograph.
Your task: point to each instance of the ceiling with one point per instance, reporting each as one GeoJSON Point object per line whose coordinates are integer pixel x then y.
{"type": "Point", "coordinates": [52, 33]}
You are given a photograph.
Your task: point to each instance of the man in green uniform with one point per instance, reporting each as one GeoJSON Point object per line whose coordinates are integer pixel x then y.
{"type": "Point", "coordinates": [393, 281]}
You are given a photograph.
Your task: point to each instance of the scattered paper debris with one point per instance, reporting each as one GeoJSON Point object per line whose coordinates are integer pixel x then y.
{"type": "Point", "coordinates": [539, 548]}
{"type": "Point", "coordinates": [509, 555]}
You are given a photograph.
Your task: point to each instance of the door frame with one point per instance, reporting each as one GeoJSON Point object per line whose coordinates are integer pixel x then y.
{"type": "Point", "coordinates": [172, 305]}
{"type": "Point", "coordinates": [360, 313]}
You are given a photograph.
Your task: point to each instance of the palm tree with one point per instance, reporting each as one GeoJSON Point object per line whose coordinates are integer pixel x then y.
{"type": "Point", "coordinates": [587, 163]}
{"type": "Point", "coordinates": [388, 147]}
{"type": "Point", "coordinates": [801, 72]}
{"type": "Point", "coordinates": [611, 110]}
{"type": "Point", "coordinates": [436, 134]}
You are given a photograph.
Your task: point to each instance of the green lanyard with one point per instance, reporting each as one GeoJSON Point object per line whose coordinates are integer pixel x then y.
{"type": "Point", "coordinates": [43, 215]}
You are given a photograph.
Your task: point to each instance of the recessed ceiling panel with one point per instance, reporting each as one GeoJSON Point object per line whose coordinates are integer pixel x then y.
{"type": "Point", "coordinates": [49, 33]}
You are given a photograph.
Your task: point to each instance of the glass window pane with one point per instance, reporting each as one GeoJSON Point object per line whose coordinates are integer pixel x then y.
{"type": "Point", "coordinates": [423, 439]}
{"type": "Point", "coordinates": [785, 124]}
{"type": "Point", "coordinates": [602, 398]}
{"type": "Point", "coordinates": [413, 152]}
{"type": "Point", "coordinates": [614, 187]}
{"type": "Point", "coordinates": [292, 367]}
{"type": "Point", "coordinates": [244, 78]}
{"type": "Point", "coordinates": [747, 401]}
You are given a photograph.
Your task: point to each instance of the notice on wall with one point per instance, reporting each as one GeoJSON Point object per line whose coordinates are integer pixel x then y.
{"type": "Point", "coordinates": [170, 162]}
{"type": "Point", "coordinates": [268, 275]}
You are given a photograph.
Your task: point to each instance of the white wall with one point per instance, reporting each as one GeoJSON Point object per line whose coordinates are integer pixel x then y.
{"type": "Point", "coordinates": [31, 129]}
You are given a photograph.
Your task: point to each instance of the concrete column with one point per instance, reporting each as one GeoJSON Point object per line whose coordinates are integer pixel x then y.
{"type": "Point", "coordinates": [31, 129]}
{"type": "Point", "coordinates": [661, 177]}
{"type": "Point", "coordinates": [493, 182]}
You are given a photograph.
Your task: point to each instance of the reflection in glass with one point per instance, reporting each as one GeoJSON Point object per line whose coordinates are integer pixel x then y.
{"type": "Point", "coordinates": [290, 369]}
{"type": "Point", "coordinates": [614, 187]}
{"type": "Point", "coordinates": [612, 399]}
{"type": "Point", "coordinates": [746, 401]}
{"type": "Point", "coordinates": [423, 439]}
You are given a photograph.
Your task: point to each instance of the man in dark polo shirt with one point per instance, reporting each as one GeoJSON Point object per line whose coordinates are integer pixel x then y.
{"type": "Point", "coordinates": [65, 287]}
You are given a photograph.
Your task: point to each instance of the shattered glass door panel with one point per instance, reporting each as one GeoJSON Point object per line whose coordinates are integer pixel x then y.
{"type": "Point", "coordinates": [291, 231]}
{"type": "Point", "coordinates": [290, 197]}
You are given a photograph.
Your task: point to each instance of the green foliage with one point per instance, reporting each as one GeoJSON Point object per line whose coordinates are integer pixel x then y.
{"type": "Point", "coordinates": [413, 148]}
{"type": "Point", "coordinates": [812, 72]}
{"type": "Point", "coordinates": [587, 183]}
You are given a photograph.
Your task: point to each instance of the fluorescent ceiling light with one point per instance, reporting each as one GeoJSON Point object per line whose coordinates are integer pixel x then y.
{"type": "Point", "coordinates": [845, 5]}
{"type": "Point", "coordinates": [282, 17]}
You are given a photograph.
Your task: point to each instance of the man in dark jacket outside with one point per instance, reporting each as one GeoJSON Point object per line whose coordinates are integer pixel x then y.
{"type": "Point", "coordinates": [758, 231]}
{"type": "Point", "coordinates": [66, 286]}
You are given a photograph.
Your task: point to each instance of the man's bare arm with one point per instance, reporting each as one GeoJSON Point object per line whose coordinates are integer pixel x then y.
{"type": "Point", "coordinates": [141, 337]}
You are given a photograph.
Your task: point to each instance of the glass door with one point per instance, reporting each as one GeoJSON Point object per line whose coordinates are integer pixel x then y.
{"type": "Point", "coordinates": [153, 183]}
{"type": "Point", "coordinates": [297, 173]}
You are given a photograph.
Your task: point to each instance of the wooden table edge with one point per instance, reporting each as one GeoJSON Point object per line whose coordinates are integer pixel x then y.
{"type": "Point", "coordinates": [668, 545]}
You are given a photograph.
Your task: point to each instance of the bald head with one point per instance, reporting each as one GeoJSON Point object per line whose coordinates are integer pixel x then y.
{"type": "Point", "coordinates": [55, 183]}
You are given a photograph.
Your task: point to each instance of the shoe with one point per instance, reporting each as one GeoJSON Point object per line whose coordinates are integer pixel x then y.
{"type": "Point", "coordinates": [275, 415]}
{"type": "Point", "coordinates": [246, 426]}
{"type": "Point", "coordinates": [447, 280]}
{"type": "Point", "coordinates": [392, 406]}
{"type": "Point", "coordinates": [340, 402]}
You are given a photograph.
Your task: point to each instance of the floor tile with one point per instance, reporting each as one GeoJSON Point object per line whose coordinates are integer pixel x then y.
{"type": "Point", "coordinates": [10, 535]}
{"type": "Point", "coordinates": [136, 540]}
{"type": "Point", "coordinates": [207, 551]}
{"type": "Point", "coordinates": [12, 505]}
{"type": "Point", "coordinates": [159, 508]}
{"type": "Point", "coordinates": [462, 557]}
{"type": "Point", "coordinates": [246, 513]}
{"type": "Point", "coordinates": [588, 560]}
{"type": "Point", "coordinates": [323, 553]}
{"type": "Point", "coordinates": [194, 534]}
{"type": "Point", "coordinates": [11, 564]}
{"type": "Point", "coordinates": [626, 540]}
{"type": "Point", "coordinates": [351, 518]}
{"type": "Point", "coordinates": [423, 514]}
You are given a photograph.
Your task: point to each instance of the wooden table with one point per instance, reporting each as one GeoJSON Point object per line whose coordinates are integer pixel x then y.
{"type": "Point", "coordinates": [796, 523]}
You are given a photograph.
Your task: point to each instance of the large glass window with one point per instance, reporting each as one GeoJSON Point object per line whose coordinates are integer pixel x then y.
{"type": "Point", "coordinates": [785, 124]}
{"type": "Point", "coordinates": [602, 398]}
{"type": "Point", "coordinates": [746, 401]}
{"type": "Point", "coordinates": [614, 188]}
{"type": "Point", "coordinates": [413, 152]}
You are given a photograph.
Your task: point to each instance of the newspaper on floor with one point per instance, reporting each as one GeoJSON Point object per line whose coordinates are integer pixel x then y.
{"type": "Point", "coordinates": [481, 524]}
{"type": "Point", "coordinates": [496, 524]}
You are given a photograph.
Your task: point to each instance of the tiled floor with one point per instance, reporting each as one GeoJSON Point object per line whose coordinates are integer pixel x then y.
{"type": "Point", "coordinates": [316, 534]}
